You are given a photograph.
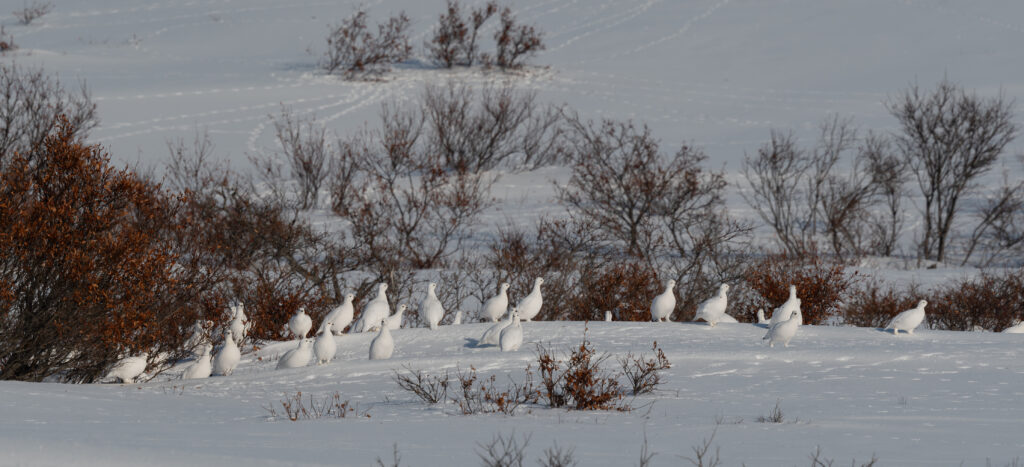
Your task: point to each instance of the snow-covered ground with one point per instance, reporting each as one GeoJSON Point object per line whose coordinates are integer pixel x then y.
{"type": "Point", "coordinates": [717, 73]}
{"type": "Point", "coordinates": [934, 398]}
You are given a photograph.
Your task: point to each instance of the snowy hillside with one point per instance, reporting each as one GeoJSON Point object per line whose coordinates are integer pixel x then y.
{"type": "Point", "coordinates": [717, 73]}
{"type": "Point", "coordinates": [934, 398]}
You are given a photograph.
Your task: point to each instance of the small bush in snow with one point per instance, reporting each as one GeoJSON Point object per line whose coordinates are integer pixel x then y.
{"type": "Point", "coordinates": [874, 305]}
{"type": "Point", "coordinates": [6, 41]}
{"type": "Point", "coordinates": [516, 42]}
{"type": "Point", "coordinates": [819, 460]}
{"type": "Point", "coordinates": [579, 382]}
{"type": "Point", "coordinates": [430, 389]}
{"type": "Point", "coordinates": [296, 408]}
{"type": "Point", "coordinates": [992, 301]}
{"type": "Point", "coordinates": [30, 12]}
{"type": "Point", "coordinates": [821, 285]}
{"type": "Point", "coordinates": [775, 415]}
{"type": "Point", "coordinates": [454, 41]}
{"type": "Point", "coordinates": [353, 50]}
{"type": "Point", "coordinates": [642, 372]}
{"type": "Point", "coordinates": [503, 452]}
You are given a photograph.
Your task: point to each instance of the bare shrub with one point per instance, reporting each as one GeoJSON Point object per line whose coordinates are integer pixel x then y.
{"type": "Point", "coordinates": [818, 459]}
{"type": "Point", "coordinates": [479, 396]}
{"type": "Point", "coordinates": [305, 147]}
{"type": "Point", "coordinates": [645, 454]}
{"type": "Point", "coordinates": [999, 231]}
{"type": "Point", "coordinates": [642, 372]}
{"type": "Point", "coordinates": [625, 289]}
{"type": "Point", "coordinates": [295, 408]}
{"type": "Point", "coordinates": [504, 452]}
{"type": "Point", "coordinates": [667, 212]}
{"type": "Point", "coordinates": [430, 389]}
{"type": "Point", "coordinates": [873, 305]}
{"type": "Point", "coordinates": [991, 301]}
{"type": "Point", "coordinates": [821, 285]}
{"type": "Point", "coordinates": [454, 42]}
{"type": "Point", "coordinates": [578, 382]}
{"type": "Point", "coordinates": [949, 138]}
{"type": "Point", "coordinates": [775, 415]}
{"type": "Point", "coordinates": [355, 51]}
{"type": "Point", "coordinates": [33, 11]}
{"type": "Point", "coordinates": [497, 126]}
{"type": "Point", "coordinates": [31, 103]}
{"type": "Point", "coordinates": [407, 210]}
{"type": "Point", "coordinates": [191, 167]}
{"type": "Point", "coordinates": [556, 456]}
{"type": "Point", "coordinates": [516, 42]}
{"type": "Point", "coordinates": [702, 455]}
{"type": "Point", "coordinates": [396, 459]}
{"type": "Point", "coordinates": [889, 175]}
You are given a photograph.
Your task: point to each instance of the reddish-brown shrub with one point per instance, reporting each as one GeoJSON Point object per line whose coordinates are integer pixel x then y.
{"type": "Point", "coordinates": [991, 301]}
{"type": "Point", "coordinates": [90, 266]}
{"type": "Point", "coordinates": [874, 305]}
{"type": "Point", "coordinates": [625, 289]}
{"type": "Point", "coordinates": [821, 286]}
{"type": "Point", "coordinates": [579, 382]}
{"type": "Point", "coordinates": [516, 42]}
{"type": "Point", "coordinates": [354, 50]}
{"type": "Point", "coordinates": [454, 42]}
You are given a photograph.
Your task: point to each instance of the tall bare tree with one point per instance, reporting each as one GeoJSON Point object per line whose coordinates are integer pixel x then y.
{"type": "Point", "coordinates": [949, 138]}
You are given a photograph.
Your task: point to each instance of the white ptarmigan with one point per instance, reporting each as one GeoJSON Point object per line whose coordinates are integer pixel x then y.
{"type": "Point", "coordinates": [908, 320]}
{"type": "Point", "coordinates": [760, 317]}
{"type": "Point", "coordinates": [457, 319]}
{"type": "Point", "coordinates": [324, 347]}
{"type": "Point", "coordinates": [784, 311]}
{"type": "Point", "coordinates": [394, 321]}
{"type": "Point", "coordinates": [431, 309]}
{"type": "Point", "coordinates": [1017, 328]}
{"type": "Point", "coordinates": [382, 346]}
{"type": "Point", "coordinates": [341, 316]}
{"type": "Point", "coordinates": [374, 311]}
{"type": "Point", "coordinates": [512, 336]}
{"type": "Point", "coordinates": [228, 357]}
{"type": "Point", "coordinates": [202, 367]}
{"type": "Point", "coordinates": [608, 316]}
{"type": "Point", "coordinates": [492, 336]}
{"type": "Point", "coordinates": [529, 306]}
{"type": "Point", "coordinates": [495, 306]}
{"type": "Point", "coordinates": [128, 369]}
{"type": "Point", "coordinates": [297, 357]}
{"type": "Point", "coordinates": [712, 309]}
{"type": "Point", "coordinates": [300, 324]}
{"type": "Point", "coordinates": [727, 318]}
{"type": "Point", "coordinates": [663, 305]}
{"type": "Point", "coordinates": [238, 324]}
{"type": "Point", "coordinates": [782, 332]}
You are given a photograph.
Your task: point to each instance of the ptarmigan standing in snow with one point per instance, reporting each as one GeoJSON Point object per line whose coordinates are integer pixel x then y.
{"type": "Point", "coordinates": [300, 324]}
{"type": "Point", "coordinates": [712, 309]}
{"type": "Point", "coordinates": [512, 336]}
{"type": "Point", "coordinates": [431, 309]}
{"type": "Point", "coordinates": [202, 367]}
{"type": "Point", "coordinates": [664, 303]}
{"type": "Point", "coordinates": [228, 357]}
{"type": "Point", "coordinates": [908, 320]}
{"type": "Point", "coordinates": [529, 306]}
{"type": "Point", "coordinates": [128, 369]}
{"type": "Point", "coordinates": [374, 311]}
{"type": "Point", "coordinates": [784, 311]}
{"type": "Point", "coordinates": [394, 321]}
{"type": "Point", "coordinates": [382, 346]}
{"type": "Point", "coordinates": [324, 347]}
{"type": "Point", "coordinates": [782, 332]}
{"type": "Point", "coordinates": [495, 306]}
{"type": "Point", "coordinates": [297, 357]}
{"type": "Point", "coordinates": [457, 319]}
{"type": "Point", "coordinates": [341, 316]}
{"type": "Point", "coordinates": [239, 324]}
{"type": "Point", "coordinates": [492, 335]}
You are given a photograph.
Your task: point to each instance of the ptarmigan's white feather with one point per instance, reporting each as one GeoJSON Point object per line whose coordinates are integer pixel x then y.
{"type": "Point", "coordinates": [663, 305]}
{"type": "Point", "coordinates": [908, 320]}
{"type": "Point", "coordinates": [529, 306]}
{"type": "Point", "coordinates": [495, 306]}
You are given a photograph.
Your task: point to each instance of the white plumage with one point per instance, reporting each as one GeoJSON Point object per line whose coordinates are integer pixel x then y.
{"type": "Point", "coordinates": [664, 303]}
{"type": "Point", "coordinates": [529, 306]}
{"type": "Point", "coordinates": [512, 336]}
{"type": "Point", "coordinates": [238, 325]}
{"type": "Point", "coordinates": [324, 347]}
{"type": "Point", "coordinates": [431, 309]}
{"type": "Point", "coordinates": [382, 346]}
{"type": "Point", "coordinates": [727, 318]}
{"type": "Point", "coordinates": [608, 315]}
{"type": "Point", "coordinates": [760, 317]}
{"type": "Point", "coordinates": [908, 320]}
{"type": "Point", "coordinates": [1017, 328]}
{"type": "Point", "coordinates": [341, 316]}
{"type": "Point", "coordinates": [784, 311]}
{"type": "Point", "coordinates": [492, 336]}
{"type": "Point", "coordinates": [228, 357]}
{"type": "Point", "coordinates": [395, 321]}
{"type": "Point", "coordinates": [202, 367]}
{"type": "Point", "coordinates": [712, 309]}
{"type": "Point", "coordinates": [782, 332]}
{"type": "Point", "coordinates": [458, 318]}
{"type": "Point", "coordinates": [300, 324]}
{"type": "Point", "coordinates": [128, 369]}
{"type": "Point", "coordinates": [495, 306]}
{"type": "Point", "coordinates": [297, 357]}
{"type": "Point", "coordinates": [374, 311]}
